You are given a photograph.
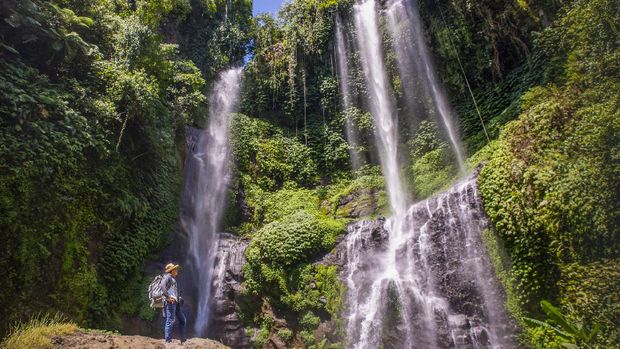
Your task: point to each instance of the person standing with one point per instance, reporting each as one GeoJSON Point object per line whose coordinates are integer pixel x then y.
{"type": "Point", "coordinates": [172, 303]}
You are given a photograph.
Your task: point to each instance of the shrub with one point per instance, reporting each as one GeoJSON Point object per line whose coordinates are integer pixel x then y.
{"type": "Point", "coordinates": [37, 332]}
{"type": "Point", "coordinates": [286, 202]}
{"type": "Point", "coordinates": [551, 187]}
{"type": "Point", "coordinates": [295, 239]}
{"type": "Point", "coordinates": [433, 163]}
{"type": "Point", "coordinates": [285, 334]}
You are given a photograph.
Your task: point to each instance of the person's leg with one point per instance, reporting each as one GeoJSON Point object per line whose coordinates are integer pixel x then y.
{"type": "Point", "coordinates": [182, 321]}
{"type": "Point", "coordinates": [170, 314]}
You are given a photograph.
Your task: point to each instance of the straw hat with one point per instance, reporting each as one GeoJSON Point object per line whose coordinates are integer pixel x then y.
{"type": "Point", "coordinates": [171, 266]}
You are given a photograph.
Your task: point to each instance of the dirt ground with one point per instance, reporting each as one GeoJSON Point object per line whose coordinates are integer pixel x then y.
{"type": "Point", "coordinates": [94, 340]}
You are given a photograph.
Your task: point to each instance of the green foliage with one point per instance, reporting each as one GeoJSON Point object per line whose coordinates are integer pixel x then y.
{"type": "Point", "coordinates": [285, 334]}
{"type": "Point", "coordinates": [291, 82]}
{"type": "Point", "coordinates": [278, 269]}
{"type": "Point", "coordinates": [44, 33]}
{"type": "Point", "coordinates": [433, 164]}
{"type": "Point", "coordinates": [503, 271]}
{"type": "Point", "coordinates": [90, 111]}
{"type": "Point", "coordinates": [576, 335]}
{"type": "Point", "coordinates": [366, 192]}
{"type": "Point", "coordinates": [37, 332]}
{"type": "Point", "coordinates": [498, 103]}
{"type": "Point", "coordinates": [292, 240]}
{"type": "Point", "coordinates": [490, 38]}
{"type": "Point", "coordinates": [153, 12]}
{"type": "Point", "coordinates": [432, 172]}
{"type": "Point", "coordinates": [586, 291]}
{"type": "Point", "coordinates": [262, 337]}
{"type": "Point", "coordinates": [551, 186]}
{"type": "Point", "coordinates": [286, 202]}
{"type": "Point", "coordinates": [263, 152]}
{"type": "Point", "coordinates": [215, 33]}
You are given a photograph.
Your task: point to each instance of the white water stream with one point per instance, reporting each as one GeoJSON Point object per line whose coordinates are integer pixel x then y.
{"type": "Point", "coordinates": [207, 174]}
{"type": "Point", "coordinates": [351, 133]}
{"type": "Point", "coordinates": [416, 68]}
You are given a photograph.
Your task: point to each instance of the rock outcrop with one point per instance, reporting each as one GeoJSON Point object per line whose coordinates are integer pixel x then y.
{"type": "Point", "coordinates": [99, 340]}
{"type": "Point", "coordinates": [227, 277]}
{"type": "Point", "coordinates": [360, 203]}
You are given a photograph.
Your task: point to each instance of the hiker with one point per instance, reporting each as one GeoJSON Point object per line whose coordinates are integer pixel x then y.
{"type": "Point", "coordinates": [172, 302]}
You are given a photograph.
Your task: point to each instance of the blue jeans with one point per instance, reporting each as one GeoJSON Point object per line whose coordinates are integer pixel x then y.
{"type": "Point", "coordinates": [174, 313]}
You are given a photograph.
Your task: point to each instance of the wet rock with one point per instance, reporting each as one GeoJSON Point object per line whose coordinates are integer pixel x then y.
{"type": "Point", "coordinates": [277, 342]}
{"type": "Point", "coordinates": [245, 212]}
{"type": "Point", "coordinates": [228, 276]}
{"type": "Point", "coordinates": [372, 236]}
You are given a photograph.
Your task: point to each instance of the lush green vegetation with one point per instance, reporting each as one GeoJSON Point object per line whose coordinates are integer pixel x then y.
{"type": "Point", "coordinates": [92, 104]}
{"type": "Point", "coordinates": [551, 185]}
{"type": "Point", "coordinates": [94, 96]}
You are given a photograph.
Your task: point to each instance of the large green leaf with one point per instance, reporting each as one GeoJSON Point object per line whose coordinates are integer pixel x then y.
{"type": "Point", "coordinates": [549, 326]}
{"type": "Point", "coordinates": [554, 314]}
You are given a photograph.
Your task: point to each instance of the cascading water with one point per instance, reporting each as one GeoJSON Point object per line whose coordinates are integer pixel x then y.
{"type": "Point", "coordinates": [345, 88]}
{"type": "Point", "coordinates": [365, 309]}
{"type": "Point", "coordinates": [415, 65]}
{"type": "Point", "coordinates": [207, 176]}
{"type": "Point", "coordinates": [397, 293]}
{"type": "Point", "coordinates": [444, 294]}
{"type": "Point", "coordinates": [381, 104]}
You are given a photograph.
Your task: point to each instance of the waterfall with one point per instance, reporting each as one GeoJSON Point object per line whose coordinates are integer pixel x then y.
{"type": "Point", "coordinates": [345, 88]}
{"type": "Point", "coordinates": [404, 276]}
{"type": "Point", "coordinates": [207, 175]}
{"type": "Point", "coordinates": [381, 104]}
{"type": "Point", "coordinates": [444, 294]}
{"type": "Point", "coordinates": [416, 68]}
{"type": "Point", "coordinates": [366, 309]}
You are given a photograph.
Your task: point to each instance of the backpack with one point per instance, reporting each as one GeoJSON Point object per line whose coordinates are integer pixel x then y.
{"type": "Point", "coordinates": [156, 293]}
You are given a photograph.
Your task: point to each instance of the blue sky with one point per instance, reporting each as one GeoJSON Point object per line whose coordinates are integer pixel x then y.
{"type": "Point", "coordinates": [271, 6]}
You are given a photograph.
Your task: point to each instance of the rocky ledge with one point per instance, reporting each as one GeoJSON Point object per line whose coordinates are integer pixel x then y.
{"type": "Point", "coordinates": [98, 340]}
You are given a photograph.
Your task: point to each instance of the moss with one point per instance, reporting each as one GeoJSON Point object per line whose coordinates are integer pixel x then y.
{"type": "Point", "coordinates": [593, 298]}
{"type": "Point", "coordinates": [363, 196]}
{"type": "Point", "coordinates": [285, 334]}
{"type": "Point", "coordinates": [432, 172]}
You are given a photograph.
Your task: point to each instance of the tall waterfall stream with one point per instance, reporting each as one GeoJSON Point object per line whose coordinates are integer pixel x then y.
{"type": "Point", "coordinates": [207, 173]}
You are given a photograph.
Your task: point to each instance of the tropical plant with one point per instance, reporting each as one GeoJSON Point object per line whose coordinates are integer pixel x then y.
{"type": "Point", "coordinates": [575, 335]}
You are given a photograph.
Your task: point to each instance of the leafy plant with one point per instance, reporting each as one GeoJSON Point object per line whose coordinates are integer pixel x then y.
{"type": "Point", "coordinates": [577, 335]}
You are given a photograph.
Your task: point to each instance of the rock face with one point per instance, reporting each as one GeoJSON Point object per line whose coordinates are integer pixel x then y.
{"type": "Point", "coordinates": [360, 203]}
{"type": "Point", "coordinates": [445, 295]}
{"type": "Point", "coordinates": [97, 340]}
{"type": "Point", "coordinates": [228, 275]}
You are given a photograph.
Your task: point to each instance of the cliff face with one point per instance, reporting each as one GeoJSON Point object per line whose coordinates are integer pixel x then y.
{"type": "Point", "coordinates": [228, 275]}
